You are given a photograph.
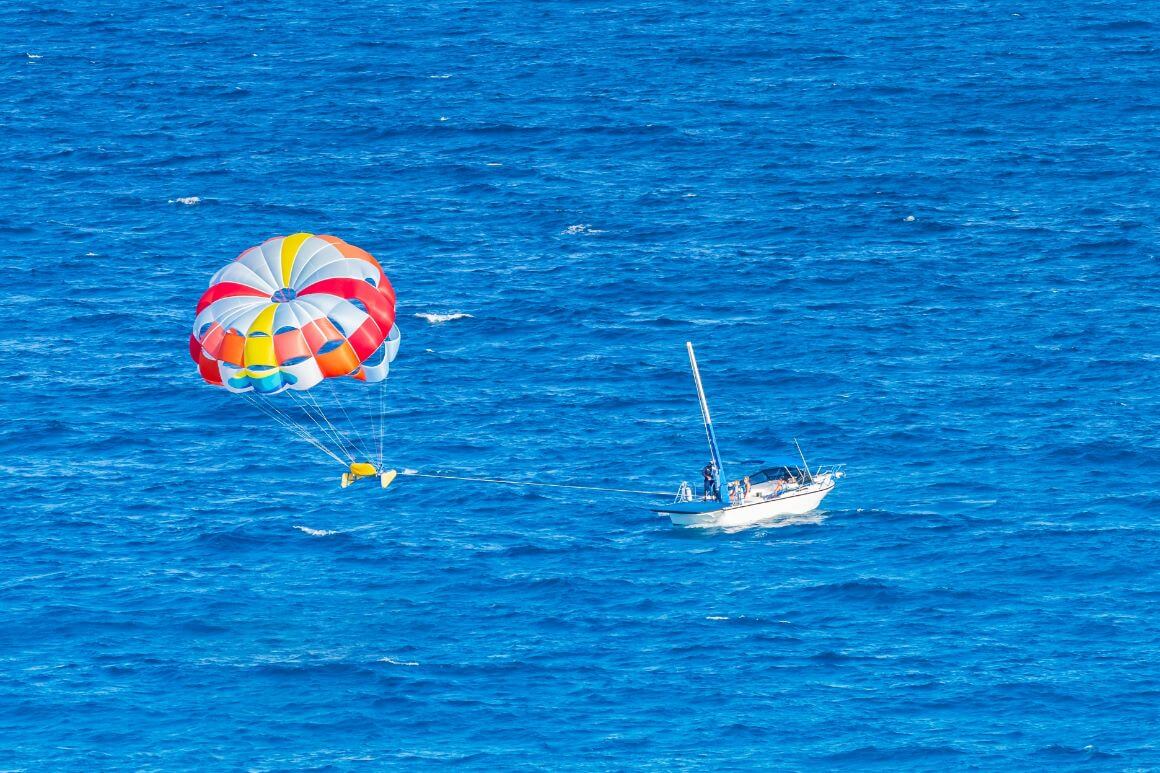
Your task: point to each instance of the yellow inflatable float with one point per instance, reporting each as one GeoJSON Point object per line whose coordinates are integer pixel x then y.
{"type": "Point", "coordinates": [367, 470]}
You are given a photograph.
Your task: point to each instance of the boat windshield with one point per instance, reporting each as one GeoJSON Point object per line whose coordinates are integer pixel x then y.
{"type": "Point", "coordinates": [780, 472]}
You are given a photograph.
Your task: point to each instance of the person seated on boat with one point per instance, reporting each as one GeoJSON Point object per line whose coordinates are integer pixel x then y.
{"type": "Point", "coordinates": [745, 487]}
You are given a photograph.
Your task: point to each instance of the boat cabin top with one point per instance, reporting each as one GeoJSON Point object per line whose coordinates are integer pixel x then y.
{"type": "Point", "coordinates": [782, 472]}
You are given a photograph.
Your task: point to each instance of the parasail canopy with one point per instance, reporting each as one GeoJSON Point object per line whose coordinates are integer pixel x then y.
{"type": "Point", "coordinates": [293, 311]}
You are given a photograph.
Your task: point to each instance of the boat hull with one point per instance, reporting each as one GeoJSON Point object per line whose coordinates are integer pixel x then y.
{"type": "Point", "coordinates": [709, 514]}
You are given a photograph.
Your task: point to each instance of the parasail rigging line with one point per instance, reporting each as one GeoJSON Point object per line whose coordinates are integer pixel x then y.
{"type": "Point", "coordinates": [301, 430]}
{"type": "Point", "coordinates": [291, 425]}
{"type": "Point", "coordinates": [305, 400]}
{"type": "Point", "coordinates": [357, 441]}
{"type": "Point", "coordinates": [324, 426]}
{"type": "Point", "coordinates": [382, 420]}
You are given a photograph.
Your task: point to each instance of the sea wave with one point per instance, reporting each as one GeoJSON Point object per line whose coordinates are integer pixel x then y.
{"type": "Point", "coordinates": [315, 532]}
{"type": "Point", "coordinates": [435, 318]}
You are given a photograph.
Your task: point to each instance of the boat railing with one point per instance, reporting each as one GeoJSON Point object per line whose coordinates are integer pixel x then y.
{"type": "Point", "coordinates": [687, 492]}
{"type": "Point", "coordinates": [837, 470]}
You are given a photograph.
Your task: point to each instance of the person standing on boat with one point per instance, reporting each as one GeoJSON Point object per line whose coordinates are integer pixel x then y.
{"type": "Point", "coordinates": [709, 473]}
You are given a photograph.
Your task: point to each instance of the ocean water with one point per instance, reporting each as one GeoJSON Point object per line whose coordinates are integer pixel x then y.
{"type": "Point", "coordinates": [922, 241]}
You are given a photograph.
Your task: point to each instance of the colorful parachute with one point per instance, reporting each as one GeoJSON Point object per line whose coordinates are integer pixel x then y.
{"type": "Point", "coordinates": [294, 313]}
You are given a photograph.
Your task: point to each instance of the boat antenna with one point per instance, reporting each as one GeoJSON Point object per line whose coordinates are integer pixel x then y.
{"type": "Point", "coordinates": [809, 474]}
{"type": "Point", "coordinates": [711, 436]}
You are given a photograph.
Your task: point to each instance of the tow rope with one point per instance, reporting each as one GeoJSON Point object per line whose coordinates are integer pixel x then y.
{"type": "Point", "coordinates": [417, 474]}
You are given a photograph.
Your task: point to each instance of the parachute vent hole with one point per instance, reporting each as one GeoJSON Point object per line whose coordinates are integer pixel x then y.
{"type": "Point", "coordinates": [330, 346]}
{"type": "Point", "coordinates": [358, 304]}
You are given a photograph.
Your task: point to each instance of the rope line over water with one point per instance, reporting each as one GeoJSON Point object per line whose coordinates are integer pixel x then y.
{"type": "Point", "coordinates": [416, 474]}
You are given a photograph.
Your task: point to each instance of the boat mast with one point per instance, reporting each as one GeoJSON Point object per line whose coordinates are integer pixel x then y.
{"type": "Point", "coordinates": [709, 434]}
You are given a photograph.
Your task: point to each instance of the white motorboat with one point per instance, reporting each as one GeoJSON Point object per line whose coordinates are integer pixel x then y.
{"type": "Point", "coordinates": [779, 490]}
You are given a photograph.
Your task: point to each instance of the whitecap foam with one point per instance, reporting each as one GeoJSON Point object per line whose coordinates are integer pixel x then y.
{"type": "Point", "coordinates": [394, 662]}
{"type": "Point", "coordinates": [315, 532]}
{"type": "Point", "coordinates": [188, 201]}
{"type": "Point", "coordinates": [438, 319]}
{"type": "Point", "coordinates": [34, 56]}
{"type": "Point", "coordinates": [716, 617]}
{"type": "Point", "coordinates": [581, 228]}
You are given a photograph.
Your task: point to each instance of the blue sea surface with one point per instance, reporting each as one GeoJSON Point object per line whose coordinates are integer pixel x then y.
{"type": "Point", "coordinates": [923, 241]}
